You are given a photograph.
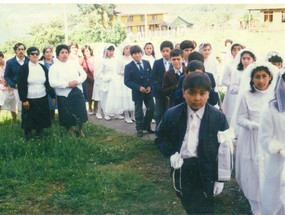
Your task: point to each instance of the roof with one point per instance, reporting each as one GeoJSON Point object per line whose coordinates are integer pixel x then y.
{"type": "Point", "coordinates": [266, 7]}
{"type": "Point", "coordinates": [178, 21]}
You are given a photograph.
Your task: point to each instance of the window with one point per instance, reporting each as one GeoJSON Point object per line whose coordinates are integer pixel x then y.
{"type": "Point", "coordinates": [141, 28]}
{"type": "Point", "coordinates": [130, 29]}
{"type": "Point", "coordinates": [154, 17]}
{"type": "Point", "coordinates": [268, 16]}
{"type": "Point", "coordinates": [130, 18]}
{"type": "Point", "coordinates": [142, 18]}
{"type": "Point", "coordinates": [283, 16]}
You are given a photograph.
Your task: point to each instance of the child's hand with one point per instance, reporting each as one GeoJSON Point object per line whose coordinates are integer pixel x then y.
{"type": "Point", "coordinates": [142, 89]}
{"type": "Point", "coordinates": [148, 90]}
{"type": "Point", "coordinates": [218, 188]}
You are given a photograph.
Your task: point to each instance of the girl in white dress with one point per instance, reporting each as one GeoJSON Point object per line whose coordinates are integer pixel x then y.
{"type": "Point", "coordinates": [210, 62]}
{"type": "Point", "coordinates": [244, 57]}
{"type": "Point", "coordinates": [7, 97]}
{"type": "Point", "coordinates": [257, 88]}
{"type": "Point", "coordinates": [126, 96]}
{"type": "Point", "coordinates": [275, 58]}
{"type": "Point", "coordinates": [229, 99]}
{"type": "Point", "coordinates": [107, 79]}
{"type": "Point", "coordinates": [149, 53]}
{"type": "Point", "coordinates": [272, 136]}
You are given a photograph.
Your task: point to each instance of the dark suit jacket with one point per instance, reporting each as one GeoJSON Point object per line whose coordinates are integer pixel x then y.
{"type": "Point", "coordinates": [23, 82]}
{"type": "Point", "coordinates": [170, 81]}
{"type": "Point", "coordinates": [156, 77]}
{"type": "Point", "coordinates": [11, 71]}
{"type": "Point", "coordinates": [213, 97]}
{"type": "Point", "coordinates": [134, 79]}
{"type": "Point", "coordinates": [171, 131]}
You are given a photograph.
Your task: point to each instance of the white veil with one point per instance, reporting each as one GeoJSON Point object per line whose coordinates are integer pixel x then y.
{"type": "Point", "coordinates": [245, 86]}
{"type": "Point", "coordinates": [279, 100]}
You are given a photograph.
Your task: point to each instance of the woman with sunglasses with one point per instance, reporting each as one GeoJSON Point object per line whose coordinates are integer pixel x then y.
{"type": "Point", "coordinates": [33, 88]}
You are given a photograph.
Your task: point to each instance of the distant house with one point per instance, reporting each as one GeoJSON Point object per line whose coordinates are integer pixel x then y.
{"type": "Point", "coordinates": [138, 22]}
{"type": "Point", "coordinates": [271, 14]}
{"type": "Point", "coordinates": [179, 22]}
{"type": "Point", "coordinates": [150, 20]}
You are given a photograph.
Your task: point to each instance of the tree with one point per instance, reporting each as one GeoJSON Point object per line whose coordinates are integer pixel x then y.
{"type": "Point", "coordinates": [100, 23]}
{"type": "Point", "coordinates": [52, 33]}
{"type": "Point", "coordinates": [102, 14]}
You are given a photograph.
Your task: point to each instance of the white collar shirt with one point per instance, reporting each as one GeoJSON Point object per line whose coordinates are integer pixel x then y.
{"type": "Point", "coordinates": [191, 138]}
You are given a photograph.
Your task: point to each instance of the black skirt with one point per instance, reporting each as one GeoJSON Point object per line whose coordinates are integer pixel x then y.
{"type": "Point", "coordinates": [72, 109]}
{"type": "Point", "coordinates": [38, 116]}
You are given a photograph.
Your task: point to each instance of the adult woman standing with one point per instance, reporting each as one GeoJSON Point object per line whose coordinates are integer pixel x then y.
{"type": "Point", "coordinates": [66, 77]}
{"type": "Point", "coordinates": [88, 65]}
{"type": "Point", "coordinates": [33, 87]}
{"type": "Point", "coordinates": [47, 60]}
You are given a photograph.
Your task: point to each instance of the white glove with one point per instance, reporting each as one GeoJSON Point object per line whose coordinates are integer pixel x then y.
{"type": "Point", "coordinates": [176, 161]}
{"type": "Point", "coordinates": [253, 126]}
{"type": "Point", "coordinates": [218, 188]}
{"type": "Point", "coordinates": [234, 89]}
{"type": "Point", "coordinates": [282, 153]}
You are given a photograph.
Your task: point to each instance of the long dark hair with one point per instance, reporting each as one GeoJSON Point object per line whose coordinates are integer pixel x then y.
{"type": "Point", "coordinates": [240, 66]}
{"type": "Point", "coordinates": [149, 43]}
{"type": "Point", "coordinates": [254, 71]}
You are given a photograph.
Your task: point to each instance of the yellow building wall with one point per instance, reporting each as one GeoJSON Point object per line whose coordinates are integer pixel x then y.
{"type": "Point", "coordinates": [137, 21]}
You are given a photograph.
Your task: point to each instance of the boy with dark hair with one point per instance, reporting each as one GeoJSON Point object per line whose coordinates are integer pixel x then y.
{"type": "Point", "coordinates": [188, 134]}
{"type": "Point", "coordinates": [160, 66]}
{"type": "Point", "coordinates": [171, 77]}
{"type": "Point", "coordinates": [137, 77]}
{"type": "Point", "coordinates": [187, 46]}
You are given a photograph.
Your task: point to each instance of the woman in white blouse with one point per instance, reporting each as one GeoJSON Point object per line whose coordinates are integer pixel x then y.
{"type": "Point", "coordinates": [66, 77]}
{"type": "Point", "coordinates": [33, 88]}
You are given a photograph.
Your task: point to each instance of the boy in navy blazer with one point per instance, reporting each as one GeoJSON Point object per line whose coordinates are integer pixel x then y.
{"type": "Point", "coordinates": [187, 134]}
{"type": "Point", "coordinates": [160, 66]}
{"type": "Point", "coordinates": [137, 77]}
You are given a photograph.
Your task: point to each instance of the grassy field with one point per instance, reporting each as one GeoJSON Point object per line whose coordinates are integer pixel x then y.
{"type": "Point", "coordinates": [104, 173]}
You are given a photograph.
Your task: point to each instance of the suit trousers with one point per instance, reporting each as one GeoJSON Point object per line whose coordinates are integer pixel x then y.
{"type": "Point", "coordinates": [160, 107]}
{"type": "Point", "coordinates": [141, 120]}
{"type": "Point", "coordinates": [192, 195]}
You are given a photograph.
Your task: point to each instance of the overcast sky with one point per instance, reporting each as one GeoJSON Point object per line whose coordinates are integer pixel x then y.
{"type": "Point", "coordinates": [17, 19]}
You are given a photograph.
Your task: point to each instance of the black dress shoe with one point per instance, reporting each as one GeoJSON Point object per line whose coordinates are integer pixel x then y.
{"type": "Point", "coordinates": [149, 130]}
{"type": "Point", "coordinates": [139, 133]}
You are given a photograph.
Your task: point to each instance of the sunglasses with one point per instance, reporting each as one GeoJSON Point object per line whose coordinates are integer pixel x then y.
{"type": "Point", "coordinates": [35, 53]}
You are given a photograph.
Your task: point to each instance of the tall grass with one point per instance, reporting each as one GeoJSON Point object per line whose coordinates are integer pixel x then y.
{"type": "Point", "coordinates": [104, 173]}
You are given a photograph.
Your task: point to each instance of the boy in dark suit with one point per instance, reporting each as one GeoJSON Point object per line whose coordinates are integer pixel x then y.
{"type": "Point", "coordinates": [187, 134]}
{"type": "Point", "coordinates": [171, 77]}
{"type": "Point", "coordinates": [160, 66]}
{"type": "Point", "coordinates": [137, 77]}
{"type": "Point", "coordinates": [187, 47]}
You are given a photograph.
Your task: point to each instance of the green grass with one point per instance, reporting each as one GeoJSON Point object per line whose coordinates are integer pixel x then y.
{"type": "Point", "coordinates": [104, 173]}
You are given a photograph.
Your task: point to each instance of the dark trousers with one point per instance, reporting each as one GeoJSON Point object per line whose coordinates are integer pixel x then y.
{"type": "Point", "coordinates": [160, 107]}
{"type": "Point", "coordinates": [141, 120]}
{"type": "Point", "coordinates": [192, 193]}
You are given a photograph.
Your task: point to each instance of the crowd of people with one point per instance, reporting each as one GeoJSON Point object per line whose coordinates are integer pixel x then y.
{"type": "Point", "coordinates": [179, 93]}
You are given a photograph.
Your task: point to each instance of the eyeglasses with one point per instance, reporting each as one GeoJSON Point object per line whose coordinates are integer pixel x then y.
{"type": "Point", "coordinates": [35, 53]}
